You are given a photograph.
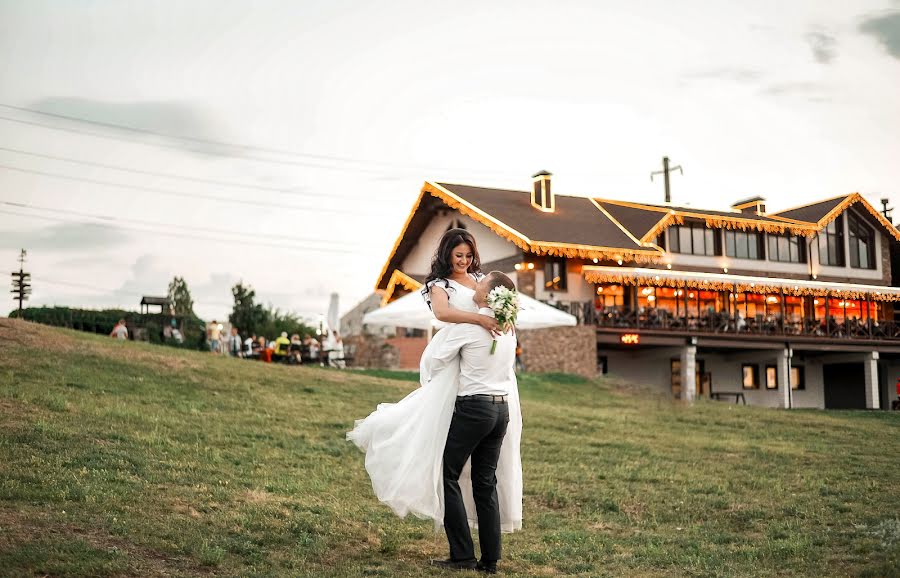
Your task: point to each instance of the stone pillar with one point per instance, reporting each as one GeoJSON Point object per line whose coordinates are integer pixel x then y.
{"type": "Point", "coordinates": [688, 372]}
{"type": "Point", "coordinates": [784, 379]}
{"type": "Point", "coordinates": [870, 365]}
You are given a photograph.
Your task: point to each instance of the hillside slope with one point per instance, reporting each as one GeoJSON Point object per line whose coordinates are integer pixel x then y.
{"type": "Point", "coordinates": [130, 459]}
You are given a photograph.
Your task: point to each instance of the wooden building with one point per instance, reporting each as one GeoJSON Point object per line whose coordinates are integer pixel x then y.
{"type": "Point", "coordinates": [691, 301]}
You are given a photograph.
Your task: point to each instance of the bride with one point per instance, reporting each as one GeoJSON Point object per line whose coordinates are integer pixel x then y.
{"type": "Point", "coordinates": [404, 441]}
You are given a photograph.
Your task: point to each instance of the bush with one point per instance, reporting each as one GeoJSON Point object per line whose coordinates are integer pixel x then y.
{"type": "Point", "coordinates": [102, 321]}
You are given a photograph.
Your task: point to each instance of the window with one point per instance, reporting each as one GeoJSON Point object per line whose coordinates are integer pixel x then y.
{"type": "Point", "coordinates": [750, 376]}
{"type": "Point", "coordinates": [787, 248]}
{"type": "Point", "coordinates": [797, 376]}
{"type": "Point", "coordinates": [743, 245]}
{"type": "Point", "coordinates": [555, 274]}
{"type": "Point", "coordinates": [694, 239]}
{"type": "Point", "coordinates": [771, 377]}
{"type": "Point", "coordinates": [862, 243]}
{"type": "Point", "coordinates": [831, 244]}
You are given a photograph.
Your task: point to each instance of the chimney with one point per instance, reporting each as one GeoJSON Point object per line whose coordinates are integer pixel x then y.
{"type": "Point", "coordinates": [542, 197]}
{"type": "Point", "coordinates": [751, 206]}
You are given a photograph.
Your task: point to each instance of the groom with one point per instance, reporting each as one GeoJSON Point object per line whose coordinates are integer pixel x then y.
{"type": "Point", "coordinates": [477, 431]}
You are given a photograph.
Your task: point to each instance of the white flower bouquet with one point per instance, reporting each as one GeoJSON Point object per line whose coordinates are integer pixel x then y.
{"type": "Point", "coordinates": [505, 305]}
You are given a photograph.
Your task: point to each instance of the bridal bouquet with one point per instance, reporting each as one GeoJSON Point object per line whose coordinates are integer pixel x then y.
{"type": "Point", "coordinates": [505, 305]}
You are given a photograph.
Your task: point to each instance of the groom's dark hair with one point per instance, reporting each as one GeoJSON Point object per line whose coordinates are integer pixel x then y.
{"type": "Point", "coordinates": [497, 279]}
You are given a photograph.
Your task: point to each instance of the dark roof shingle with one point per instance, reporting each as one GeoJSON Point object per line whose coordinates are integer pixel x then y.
{"type": "Point", "coordinates": [575, 221]}
{"type": "Point", "coordinates": [813, 212]}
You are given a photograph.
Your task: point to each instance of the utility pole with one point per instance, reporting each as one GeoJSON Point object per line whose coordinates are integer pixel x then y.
{"type": "Point", "coordinates": [21, 282]}
{"type": "Point", "coordinates": [886, 211]}
{"type": "Point", "coordinates": [665, 173]}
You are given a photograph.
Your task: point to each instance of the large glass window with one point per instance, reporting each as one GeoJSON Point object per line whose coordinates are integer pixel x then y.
{"type": "Point", "coordinates": [771, 377]}
{"type": "Point", "coordinates": [787, 248]}
{"type": "Point", "coordinates": [610, 297]}
{"type": "Point", "coordinates": [862, 243]}
{"type": "Point", "coordinates": [750, 376]}
{"type": "Point", "coordinates": [694, 239]}
{"type": "Point", "coordinates": [831, 243]}
{"type": "Point", "coordinates": [555, 274]}
{"type": "Point", "coordinates": [797, 377]}
{"type": "Point", "coordinates": [743, 245]}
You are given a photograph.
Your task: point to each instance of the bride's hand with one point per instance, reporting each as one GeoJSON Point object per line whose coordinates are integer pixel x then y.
{"type": "Point", "coordinates": [490, 324]}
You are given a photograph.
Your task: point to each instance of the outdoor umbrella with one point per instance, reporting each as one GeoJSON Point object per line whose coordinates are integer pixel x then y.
{"type": "Point", "coordinates": [411, 311]}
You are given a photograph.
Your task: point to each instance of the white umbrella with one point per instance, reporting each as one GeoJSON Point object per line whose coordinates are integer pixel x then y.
{"type": "Point", "coordinates": [411, 311]}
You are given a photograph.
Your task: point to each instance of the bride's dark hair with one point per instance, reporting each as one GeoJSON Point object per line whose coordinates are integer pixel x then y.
{"type": "Point", "coordinates": [441, 265]}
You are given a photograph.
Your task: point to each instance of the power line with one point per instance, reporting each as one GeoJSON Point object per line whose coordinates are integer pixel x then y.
{"type": "Point", "coordinates": [197, 237]}
{"type": "Point", "coordinates": [172, 175]}
{"type": "Point", "coordinates": [238, 146]}
{"type": "Point", "coordinates": [156, 223]}
{"type": "Point", "coordinates": [184, 148]}
{"type": "Point", "coordinates": [46, 281]}
{"type": "Point", "coordinates": [253, 203]}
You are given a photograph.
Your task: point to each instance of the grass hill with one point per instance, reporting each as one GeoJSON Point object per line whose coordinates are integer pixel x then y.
{"type": "Point", "coordinates": [121, 458]}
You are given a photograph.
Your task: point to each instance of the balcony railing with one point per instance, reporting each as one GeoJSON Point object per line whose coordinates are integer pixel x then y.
{"type": "Point", "coordinates": [721, 323]}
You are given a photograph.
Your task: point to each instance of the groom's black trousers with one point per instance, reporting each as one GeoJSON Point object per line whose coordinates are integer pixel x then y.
{"type": "Point", "coordinates": [477, 430]}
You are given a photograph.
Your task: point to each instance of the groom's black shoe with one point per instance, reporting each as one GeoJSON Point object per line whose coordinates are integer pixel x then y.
{"type": "Point", "coordinates": [486, 567]}
{"type": "Point", "coordinates": [450, 564]}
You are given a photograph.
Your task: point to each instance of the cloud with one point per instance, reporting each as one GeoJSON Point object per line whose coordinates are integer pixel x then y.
{"type": "Point", "coordinates": [739, 75]}
{"type": "Point", "coordinates": [811, 91]}
{"type": "Point", "coordinates": [824, 46]}
{"type": "Point", "coordinates": [66, 237]}
{"type": "Point", "coordinates": [885, 28]}
{"type": "Point", "coordinates": [162, 117]}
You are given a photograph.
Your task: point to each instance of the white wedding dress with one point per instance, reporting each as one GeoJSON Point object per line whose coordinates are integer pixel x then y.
{"type": "Point", "coordinates": [404, 441]}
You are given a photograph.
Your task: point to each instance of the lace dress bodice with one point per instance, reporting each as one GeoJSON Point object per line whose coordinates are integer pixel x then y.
{"type": "Point", "coordinates": [460, 296]}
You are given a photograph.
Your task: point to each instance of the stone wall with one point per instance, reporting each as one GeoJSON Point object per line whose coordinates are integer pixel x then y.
{"type": "Point", "coordinates": [371, 352]}
{"type": "Point", "coordinates": [560, 349]}
{"type": "Point", "coordinates": [377, 352]}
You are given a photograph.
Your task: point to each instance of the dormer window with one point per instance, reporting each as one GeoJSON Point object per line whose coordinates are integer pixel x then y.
{"type": "Point", "coordinates": [694, 239]}
{"type": "Point", "coordinates": [744, 245]}
{"type": "Point", "coordinates": [862, 243]}
{"type": "Point", "coordinates": [787, 248]}
{"type": "Point", "coordinates": [831, 243]}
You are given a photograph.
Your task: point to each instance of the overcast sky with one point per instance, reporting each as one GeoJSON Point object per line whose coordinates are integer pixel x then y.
{"type": "Point", "coordinates": [340, 110]}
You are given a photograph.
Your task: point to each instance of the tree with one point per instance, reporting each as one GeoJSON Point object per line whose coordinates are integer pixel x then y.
{"type": "Point", "coordinates": [278, 321]}
{"type": "Point", "coordinates": [247, 316]}
{"type": "Point", "coordinates": [180, 298]}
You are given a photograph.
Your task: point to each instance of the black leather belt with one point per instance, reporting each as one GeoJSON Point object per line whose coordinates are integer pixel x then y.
{"type": "Point", "coordinates": [483, 397]}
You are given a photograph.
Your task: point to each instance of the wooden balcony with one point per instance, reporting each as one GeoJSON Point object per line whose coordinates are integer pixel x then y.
{"type": "Point", "coordinates": [729, 325]}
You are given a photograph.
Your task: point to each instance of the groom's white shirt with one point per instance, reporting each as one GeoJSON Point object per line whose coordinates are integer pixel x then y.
{"type": "Point", "coordinates": [480, 372]}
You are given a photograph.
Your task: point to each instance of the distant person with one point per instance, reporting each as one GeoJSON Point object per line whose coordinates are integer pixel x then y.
{"type": "Point", "coordinates": [314, 349]}
{"type": "Point", "coordinates": [214, 335]}
{"type": "Point", "coordinates": [119, 331]}
{"type": "Point", "coordinates": [296, 350]}
{"type": "Point", "coordinates": [282, 344]}
{"type": "Point", "coordinates": [234, 343]}
{"type": "Point", "coordinates": [265, 354]}
{"type": "Point", "coordinates": [519, 367]}
{"type": "Point", "coordinates": [896, 405]}
{"type": "Point", "coordinates": [741, 322]}
{"type": "Point", "coordinates": [336, 353]}
{"type": "Point", "coordinates": [249, 347]}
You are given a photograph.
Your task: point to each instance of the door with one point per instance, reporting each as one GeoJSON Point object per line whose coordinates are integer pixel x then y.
{"type": "Point", "coordinates": [844, 386]}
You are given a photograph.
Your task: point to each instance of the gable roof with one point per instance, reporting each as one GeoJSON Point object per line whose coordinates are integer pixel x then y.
{"type": "Point", "coordinates": [575, 220]}
{"type": "Point", "coordinates": [639, 215]}
{"type": "Point", "coordinates": [583, 227]}
{"type": "Point", "coordinates": [824, 212]}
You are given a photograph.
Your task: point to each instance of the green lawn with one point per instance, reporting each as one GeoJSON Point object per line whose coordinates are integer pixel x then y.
{"type": "Point", "coordinates": [130, 459]}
